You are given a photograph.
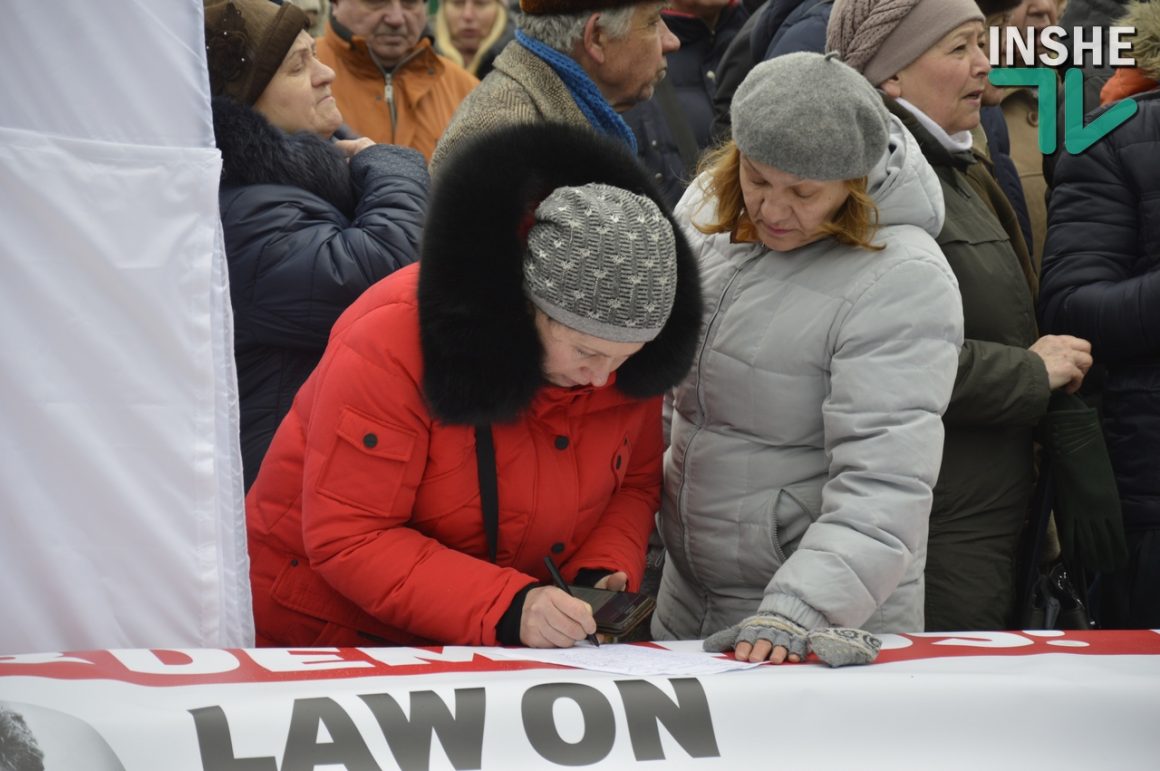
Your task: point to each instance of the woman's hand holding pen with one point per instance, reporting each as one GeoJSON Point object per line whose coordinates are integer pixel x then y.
{"type": "Point", "coordinates": [554, 619]}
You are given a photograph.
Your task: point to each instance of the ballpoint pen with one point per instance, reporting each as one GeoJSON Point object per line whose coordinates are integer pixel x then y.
{"type": "Point", "coordinates": [559, 581]}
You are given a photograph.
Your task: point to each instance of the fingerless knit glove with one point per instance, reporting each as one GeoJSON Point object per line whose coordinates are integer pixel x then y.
{"type": "Point", "coordinates": [836, 646]}
{"type": "Point", "coordinates": [779, 630]}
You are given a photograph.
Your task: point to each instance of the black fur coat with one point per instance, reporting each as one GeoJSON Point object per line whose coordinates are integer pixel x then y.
{"type": "Point", "coordinates": [306, 233]}
{"type": "Point", "coordinates": [256, 153]}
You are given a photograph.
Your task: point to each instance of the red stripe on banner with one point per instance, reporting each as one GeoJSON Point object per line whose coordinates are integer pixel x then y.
{"type": "Point", "coordinates": [166, 667]}
{"type": "Point", "coordinates": [1029, 643]}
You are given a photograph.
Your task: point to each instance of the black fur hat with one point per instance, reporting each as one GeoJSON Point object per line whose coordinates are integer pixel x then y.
{"type": "Point", "coordinates": [481, 353]}
{"type": "Point", "coordinates": [992, 7]}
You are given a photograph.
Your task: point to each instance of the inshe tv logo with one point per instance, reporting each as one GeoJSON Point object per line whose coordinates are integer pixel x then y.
{"type": "Point", "coordinates": [1019, 64]}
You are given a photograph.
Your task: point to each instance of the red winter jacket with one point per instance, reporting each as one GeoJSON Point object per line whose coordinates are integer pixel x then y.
{"type": "Point", "coordinates": [365, 501]}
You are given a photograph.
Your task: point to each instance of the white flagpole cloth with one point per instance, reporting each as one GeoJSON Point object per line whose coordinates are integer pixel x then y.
{"type": "Point", "coordinates": [121, 520]}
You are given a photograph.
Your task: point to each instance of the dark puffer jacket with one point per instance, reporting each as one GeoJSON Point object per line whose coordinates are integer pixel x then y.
{"type": "Point", "coordinates": [776, 27]}
{"type": "Point", "coordinates": [305, 234]}
{"type": "Point", "coordinates": [1101, 281]}
{"type": "Point", "coordinates": [692, 82]}
{"type": "Point", "coordinates": [803, 29]}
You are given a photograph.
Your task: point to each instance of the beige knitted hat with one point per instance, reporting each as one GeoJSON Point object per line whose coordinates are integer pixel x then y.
{"type": "Point", "coordinates": [879, 38]}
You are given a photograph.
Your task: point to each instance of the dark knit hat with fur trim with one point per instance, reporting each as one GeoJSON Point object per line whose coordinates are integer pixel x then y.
{"type": "Point", "coordinates": [992, 7]}
{"type": "Point", "coordinates": [549, 7]}
{"type": "Point", "coordinates": [246, 42]}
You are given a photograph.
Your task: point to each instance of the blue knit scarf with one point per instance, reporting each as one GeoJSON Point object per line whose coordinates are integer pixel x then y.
{"type": "Point", "coordinates": [588, 98]}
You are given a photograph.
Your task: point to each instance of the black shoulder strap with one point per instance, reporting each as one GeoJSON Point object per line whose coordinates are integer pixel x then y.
{"type": "Point", "coordinates": [488, 489]}
{"type": "Point", "coordinates": [666, 96]}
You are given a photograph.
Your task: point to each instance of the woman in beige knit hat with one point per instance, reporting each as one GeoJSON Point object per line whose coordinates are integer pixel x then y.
{"type": "Point", "coordinates": [926, 57]}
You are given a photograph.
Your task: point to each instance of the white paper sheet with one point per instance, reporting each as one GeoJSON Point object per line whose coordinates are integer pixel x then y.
{"type": "Point", "coordinates": [642, 660]}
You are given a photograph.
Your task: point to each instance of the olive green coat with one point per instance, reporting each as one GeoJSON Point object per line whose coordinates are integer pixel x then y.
{"type": "Point", "coordinates": [1000, 393]}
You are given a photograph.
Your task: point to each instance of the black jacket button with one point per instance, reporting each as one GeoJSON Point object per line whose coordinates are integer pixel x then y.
{"type": "Point", "coordinates": [370, 440]}
{"type": "Point", "coordinates": [557, 547]}
{"type": "Point", "coordinates": [561, 442]}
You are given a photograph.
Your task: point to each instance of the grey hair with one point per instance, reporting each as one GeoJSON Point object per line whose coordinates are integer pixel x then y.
{"type": "Point", "coordinates": [562, 31]}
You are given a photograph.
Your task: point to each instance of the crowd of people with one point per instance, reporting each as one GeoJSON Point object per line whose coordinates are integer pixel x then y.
{"type": "Point", "coordinates": [758, 308]}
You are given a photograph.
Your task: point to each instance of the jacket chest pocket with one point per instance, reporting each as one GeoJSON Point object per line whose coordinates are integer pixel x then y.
{"type": "Point", "coordinates": [367, 462]}
{"type": "Point", "coordinates": [997, 302]}
{"type": "Point", "coordinates": [969, 219]}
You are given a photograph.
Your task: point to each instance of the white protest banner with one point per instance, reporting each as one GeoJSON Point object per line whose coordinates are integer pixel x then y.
{"type": "Point", "coordinates": [1000, 699]}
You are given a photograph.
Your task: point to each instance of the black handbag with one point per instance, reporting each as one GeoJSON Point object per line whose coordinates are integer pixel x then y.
{"type": "Point", "coordinates": [1054, 603]}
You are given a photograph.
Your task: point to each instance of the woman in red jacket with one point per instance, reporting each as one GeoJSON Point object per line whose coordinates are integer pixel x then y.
{"type": "Point", "coordinates": [555, 302]}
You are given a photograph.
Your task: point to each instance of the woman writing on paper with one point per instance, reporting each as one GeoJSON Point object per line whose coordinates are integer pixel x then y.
{"type": "Point", "coordinates": [553, 305]}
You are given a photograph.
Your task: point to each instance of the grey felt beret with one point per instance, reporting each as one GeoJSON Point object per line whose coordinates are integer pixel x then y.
{"type": "Point", "coordinates": [602, 261]}
{"type": "Point", "coordinates": [810, 115]}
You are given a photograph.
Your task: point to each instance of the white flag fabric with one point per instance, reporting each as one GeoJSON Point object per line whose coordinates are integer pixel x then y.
{"type": "Point", "coordinates": [121, 521]}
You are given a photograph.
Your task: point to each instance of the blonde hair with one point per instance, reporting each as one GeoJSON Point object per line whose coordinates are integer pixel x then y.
{"type": "Point", "coordinates": [854, 224]}
{"type": "Point", "coordinates": [1145, 17]}
{"type": "Point", "coordinates": [447, 47]}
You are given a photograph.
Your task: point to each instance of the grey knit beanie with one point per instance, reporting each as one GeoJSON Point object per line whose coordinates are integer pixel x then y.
{"type": "Point", "coordinates": [602, 261]}
{"type": "Point", "coordinates": [810, 115]}
{"type": "Point", "coordinates": [879, 38]}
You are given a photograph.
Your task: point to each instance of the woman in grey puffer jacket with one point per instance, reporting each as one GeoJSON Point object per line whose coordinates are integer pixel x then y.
{"type": "Point", "coordinates": [806, 441]}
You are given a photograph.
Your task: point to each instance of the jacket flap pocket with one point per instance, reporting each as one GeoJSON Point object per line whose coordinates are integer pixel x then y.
{"type": "Point", "coordinates": [375, 437]}
{"type": "Point", "coordinates": [301, 589]}
{"type": "Point", "coordinates": [367, 462]}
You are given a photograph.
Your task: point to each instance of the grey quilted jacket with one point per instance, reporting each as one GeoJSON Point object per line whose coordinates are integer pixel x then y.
{"type": "Point", "coordinates": [807, 439]}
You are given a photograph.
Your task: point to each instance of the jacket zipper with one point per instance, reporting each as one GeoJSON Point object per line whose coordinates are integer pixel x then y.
{"type": "Point", "coordinates": [389, 88]}
{"type": "Point", "coordinates": [710, 331]}
{"type": "Point", "coordinates": [389, 95]}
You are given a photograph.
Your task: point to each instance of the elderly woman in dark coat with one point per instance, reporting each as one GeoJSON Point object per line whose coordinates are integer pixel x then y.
{"type": "Point", "coordinates": [309, 222]}
{"type": "Point", "coordinates": [926, 57]}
